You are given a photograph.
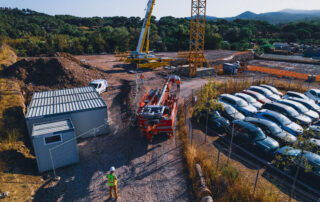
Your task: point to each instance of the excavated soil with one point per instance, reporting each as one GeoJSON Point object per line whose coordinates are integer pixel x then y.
{"type": "Point", "coordinates": [49, 73]}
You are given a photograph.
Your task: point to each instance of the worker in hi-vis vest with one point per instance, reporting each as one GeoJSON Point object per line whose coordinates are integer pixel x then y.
{"type": "Point", "coordinates": [142, 78]}
{"type": "Point", "coordinates": [178, 84]}
{"type": "Point", "coordinates": [112, 182]}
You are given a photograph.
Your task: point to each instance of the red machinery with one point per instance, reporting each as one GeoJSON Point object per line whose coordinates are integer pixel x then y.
{"type": "Point", "coordinates": [158, 110]}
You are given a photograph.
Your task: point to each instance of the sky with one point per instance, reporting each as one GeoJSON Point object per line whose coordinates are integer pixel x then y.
{"type": "Point", "coordinates": [176, 8]}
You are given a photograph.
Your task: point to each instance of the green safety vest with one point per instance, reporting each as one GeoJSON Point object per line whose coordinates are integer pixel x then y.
{"type": "Point", "coordinates": [112, 180]}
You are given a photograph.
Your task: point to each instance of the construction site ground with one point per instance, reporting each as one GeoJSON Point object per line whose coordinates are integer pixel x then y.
{"type": "Point", "coordinates": [289, 66]}
{"type": "Point", "coordinates": [146, 171]}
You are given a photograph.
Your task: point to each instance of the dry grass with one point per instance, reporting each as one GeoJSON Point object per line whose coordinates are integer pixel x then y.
{"type": "Point", "coordinates": [12, 109]}
{"type": "Point", "coordinates": [7, 55]}
{"type": "Point", "coordinates": [232, 86]}
{"type": "Point", "coordinates": [16, 162]}
{"type": "Point", "coordinates": [225, 183]}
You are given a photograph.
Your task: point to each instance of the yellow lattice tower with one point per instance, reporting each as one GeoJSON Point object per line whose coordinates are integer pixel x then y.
{"type": "Point", "coordinates": [197, 35]}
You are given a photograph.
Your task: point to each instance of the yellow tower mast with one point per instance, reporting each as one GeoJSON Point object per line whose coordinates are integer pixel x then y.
{"type": "Point", "coordinates": [197, 35]}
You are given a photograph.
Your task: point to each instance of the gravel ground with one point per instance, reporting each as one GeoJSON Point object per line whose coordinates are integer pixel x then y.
{"type": "Point", "coordinates": [146, 171]}
{"type": "Point", "coordinates": [295, 67]}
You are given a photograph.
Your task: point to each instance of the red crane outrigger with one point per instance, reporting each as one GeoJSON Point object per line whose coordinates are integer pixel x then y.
{"type": "Point", "coordinates": [158, 110]}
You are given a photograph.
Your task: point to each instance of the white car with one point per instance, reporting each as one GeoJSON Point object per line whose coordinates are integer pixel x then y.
{"type": "Point", "coordinates": [100, 85]}
{"type": "Point", "coordinates": [314, 94]}
{"type": "Point", "coordinates": [295, 95]}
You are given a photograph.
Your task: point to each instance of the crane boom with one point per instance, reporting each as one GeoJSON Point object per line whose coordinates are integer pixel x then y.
{"type": "Point", "coordinates": [141, 58]}
{"type": "Point", "coordinates": [145, 27]}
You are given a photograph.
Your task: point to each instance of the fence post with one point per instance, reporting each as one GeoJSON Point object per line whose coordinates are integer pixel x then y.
{"type": "Point", "coordinates": [205, 139]}
{"type": "Point", "coordinates": [230, 148]}
{"type": "Point", "coordinates": [218, 156]}
{"type": "Point", "coordinates": [255, 183]}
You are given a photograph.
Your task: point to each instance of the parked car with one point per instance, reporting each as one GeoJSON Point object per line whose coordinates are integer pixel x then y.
{"type": "Point", "coordinates": [217, 123]}
{"type": "Point", "coordinates": [273, 130]}
{"type": "Point", "coordinates": [231, 113]}
{"type": "Point", "coordinates": [248, 133]}
{"type": "Point", "coordinates": [312, 145]}
{"type": "Point", "coordinates": [100, 85]}
{"type": "Point", "coordinates": [301, 109]}
{"type": "Point", "coordinates": [295, 95]}
{"type": "Point", "coordinates": [239, 104]}
{"type": "Point", "coordinates": [315, 143]}
{"type": "Point", "coordinates": [313, 131]}
{"type": "Point", "coordinates": [269, 94]}
{"type": "Point", "coordinates": [272, 89]}
{"type": "Point", "coordinates": [309, 104]}
{"type": "Point", "coordinates": [249, 99]}
{"type": "Point", "coordinates": [310, 161]}
{"type": "Point", "coordinates": [313, 94]}
{"type": "Point", "coordinates": [281, 120]}
{"type": "Point", "coordinates": [259, 97]}
{"type": "Point", "coordinates": [288, 112]}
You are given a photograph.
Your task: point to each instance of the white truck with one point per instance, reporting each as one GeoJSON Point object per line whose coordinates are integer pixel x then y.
{"type": "Point", "coordinates": [100, 85]}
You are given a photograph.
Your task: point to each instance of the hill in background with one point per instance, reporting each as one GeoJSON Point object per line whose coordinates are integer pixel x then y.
{"type": "Point", "coordinates": [283, 16]}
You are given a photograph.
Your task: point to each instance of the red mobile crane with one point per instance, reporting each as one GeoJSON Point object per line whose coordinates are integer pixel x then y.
{"type": "Point", "coordinates": [158, 109]}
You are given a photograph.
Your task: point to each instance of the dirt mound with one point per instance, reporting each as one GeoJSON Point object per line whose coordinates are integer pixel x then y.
{"type": "Point", "coordinates": [72, 58]}
{"type": "Point", "coordinates": [50, 73]}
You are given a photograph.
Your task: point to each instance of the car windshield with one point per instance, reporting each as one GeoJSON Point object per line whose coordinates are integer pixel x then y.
{"type": "Point", "coordinates": [284, 120]}
{"type": "Point", "coordinates": [267, 92]}
{"type": "Point", "coordinates": [301, 108]}
{"type": "Point", "coordinates": [258, 134]}
{"type": "Point", "coordinates": [215, 115]}
{"type": "Point", "coordinates": [250, 99]}
{"type": "Point", "coordinates": [242, 103]}
{"type": "Point", "coordinates": [93, 85]}
{"type": "Point", "coordinates": [293, 112]}
{"type": "Point", "coordinates": [230, 110]}
{"type": "Point", "coordinates": [273, 89]}
{"type": "Point", "coordinates": [313, 105]}
{"type": "Point", "coordinates": [275, 129]}
{"type": "Point", "coordinates": [259, 96]}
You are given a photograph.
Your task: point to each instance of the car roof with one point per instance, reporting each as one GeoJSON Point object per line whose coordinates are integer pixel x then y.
{"type": "Point", "coordinates": [260, 88]}
{"type": "Point", "coordinates": [262, 121]}
{"type": "Point", "coordinates": [231, 96]}
{"type": "Point", "coordinates": [299, 100]}
{"type": "Point", "coordinates": [294, 92]}
{"type": "Point", "coordinates": [227, 105]}
{"type": "Point", "coordinates": [98, 81]}
{"type": "Point", "coordinates": [315, 158]}
{"type": "Point", "coordinates": [270, 112]}
{"type": "Point", "coordinates": [268, 86]}
{"type": "Point", "coordinates": [280, 105]}
{"type": "Point", "coordinates": [251, 92]}
{"type": "Point", "coordinates": [248, 125]}
{"type": "Point", "coordinates": [290, 151]}
{"type": "Point", "coordinates": [290, 102]}
{"type": "Point", "coordinates": [316, 90]}
{"type": "Point", "coordinates": [243, 95]}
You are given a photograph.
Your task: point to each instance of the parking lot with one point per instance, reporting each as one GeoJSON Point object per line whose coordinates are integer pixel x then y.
{"type": "Point", "coordinates": [249, 156]}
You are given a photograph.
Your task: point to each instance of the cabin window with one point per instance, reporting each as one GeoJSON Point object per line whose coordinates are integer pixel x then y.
{"type": "Point", "coordinates": [52, 139]}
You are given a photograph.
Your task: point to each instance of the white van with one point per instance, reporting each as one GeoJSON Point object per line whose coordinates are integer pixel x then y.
{"type": "Point", "coordinates": [100, 85]}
